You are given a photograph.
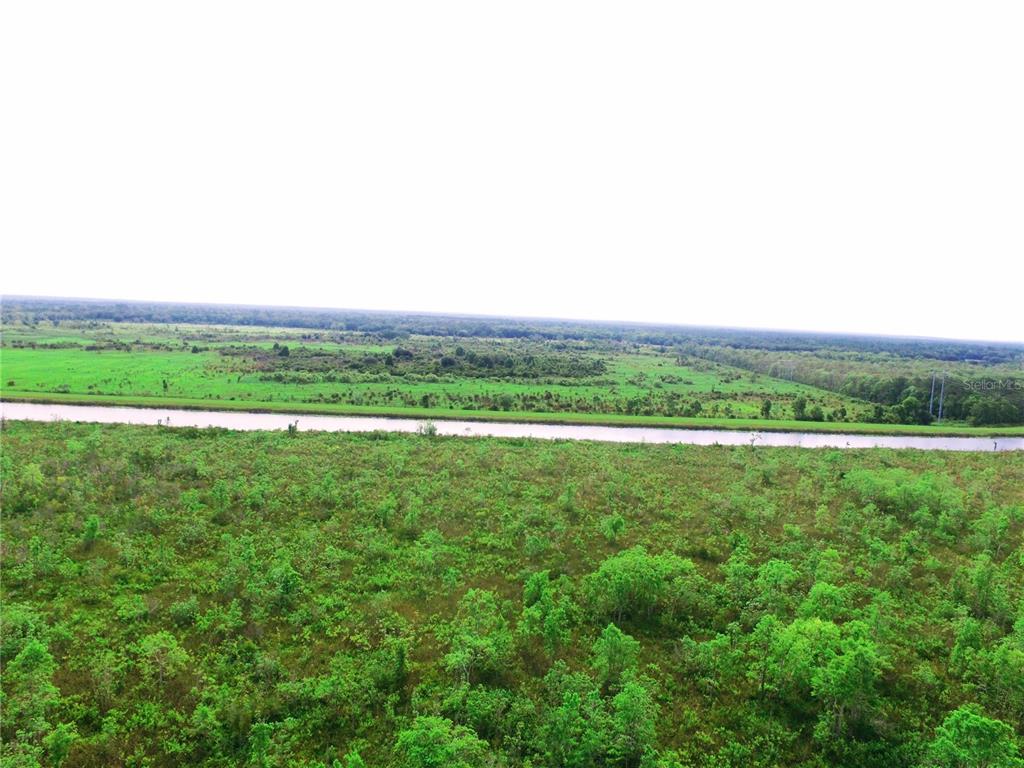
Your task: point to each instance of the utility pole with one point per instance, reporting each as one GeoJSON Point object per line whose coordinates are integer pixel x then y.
{"type": "Point", "coordinates": [942, 394]}
{"type": "Point", "coordinates": [931, 397]}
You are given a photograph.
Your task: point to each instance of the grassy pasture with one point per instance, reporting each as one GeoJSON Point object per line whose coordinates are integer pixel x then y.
{"type": "Point", "coordinates": [593, 380]}
{"type": "Point", "coordinates": [222, 365]}
{"type": "Point", "coordinates": [136, 360]}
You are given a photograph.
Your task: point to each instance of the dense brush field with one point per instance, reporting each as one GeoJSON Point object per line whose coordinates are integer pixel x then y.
{"type": "Point", "coordinates": [186, 597]}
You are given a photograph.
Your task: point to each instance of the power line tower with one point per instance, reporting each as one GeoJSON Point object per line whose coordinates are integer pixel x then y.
{"type": "Point", "coordinates": [942, 396]}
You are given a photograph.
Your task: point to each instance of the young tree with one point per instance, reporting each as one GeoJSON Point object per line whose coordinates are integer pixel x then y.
{"type": "Point", "coordinates": [968, 739]}
{"type": "Point", "coordinates": [612, 527]}
{"type": "Point", "coordinates": [636, 584]}
{"type": "Point", "coordinates": [845, 684]}
{"type": "Point", "coordinates": [912, 408]}
{"type": "Point", "coordinates": [260, 736]}
{"type": "Point", "coordinates": [800, 408]}
{"type": "Point", "coordinates": [29, 692]}
{"type": "Point", "coordinates": [824, 601]}
{"type": "Point", "coordinates": [799, 650]}
{"type": "Point", "coordinates": [284, 584]}
{"type": "Point", "coordinates": [759, 650]}
{"type": "Point", "coordinates": [481, 641]}
{"type": "Point", "coordinates": [775, 580]}
{"type": "Point", "coordinates": [738, 587]}
{"type": "Point", "coordinates": [90, 531]}
{"type": "Point", "coordinates": [548, 612]}
{"type": "Point", "coordinates": [575, 729]}
{"type": "Point", "coordinates": [634, 724]}
{"type": "Point", "coordinates": [436, 742]}
{"type": "Point", "coordinates": [614, 654]}
{"type": "Point", "coordinates": [58, 743]}
{"type": "Point", "coordinates": [162, 656]}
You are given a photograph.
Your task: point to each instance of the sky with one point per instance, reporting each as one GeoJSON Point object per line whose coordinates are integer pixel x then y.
{"type": "Point", "coordinates": [849, 167]}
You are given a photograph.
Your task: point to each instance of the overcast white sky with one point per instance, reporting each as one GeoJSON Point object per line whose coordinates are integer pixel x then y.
{"type": "Point", "coordinates": [818, 165]}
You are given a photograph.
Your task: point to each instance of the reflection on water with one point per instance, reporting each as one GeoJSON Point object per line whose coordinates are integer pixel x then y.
{"type": "Point", "coordinates": [240, 420]}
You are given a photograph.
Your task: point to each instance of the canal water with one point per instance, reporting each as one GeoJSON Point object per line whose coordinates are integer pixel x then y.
{"type": "Point", "coordinates": [241, 420]}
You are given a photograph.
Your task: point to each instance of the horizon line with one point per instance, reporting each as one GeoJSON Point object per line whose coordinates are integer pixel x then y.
{"type": "Point", "coordinates": [534, 318]}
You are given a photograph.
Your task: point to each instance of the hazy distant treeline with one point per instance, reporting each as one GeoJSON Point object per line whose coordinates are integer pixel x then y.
{"type": "Point", "coordinates": [397, 324]}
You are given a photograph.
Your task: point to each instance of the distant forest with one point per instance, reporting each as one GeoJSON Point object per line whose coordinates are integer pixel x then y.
{"type": "Point", "coordinates": [398, 324]}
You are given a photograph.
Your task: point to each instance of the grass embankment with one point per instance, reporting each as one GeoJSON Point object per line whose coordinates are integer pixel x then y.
{"type": "Point", "coordinates": [440, 414]}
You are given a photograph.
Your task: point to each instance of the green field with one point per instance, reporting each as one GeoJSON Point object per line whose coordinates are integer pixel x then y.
{"type": "Point", "coordinates": [441, 369]}
{"type": "Point", "coordinates": [200, 597]}
{"type": "Point", "coordinates": [236, 364]}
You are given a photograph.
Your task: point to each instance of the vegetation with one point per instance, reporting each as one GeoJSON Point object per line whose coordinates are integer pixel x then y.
{"type": "Point", "coordinates": [202, 597]}
{"type": "Point", "coordinates": [432, 366]}
{"type": "Point", "coordinates": [330, 371]}
{"type": "Point", "coordinates": [971, 389]}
